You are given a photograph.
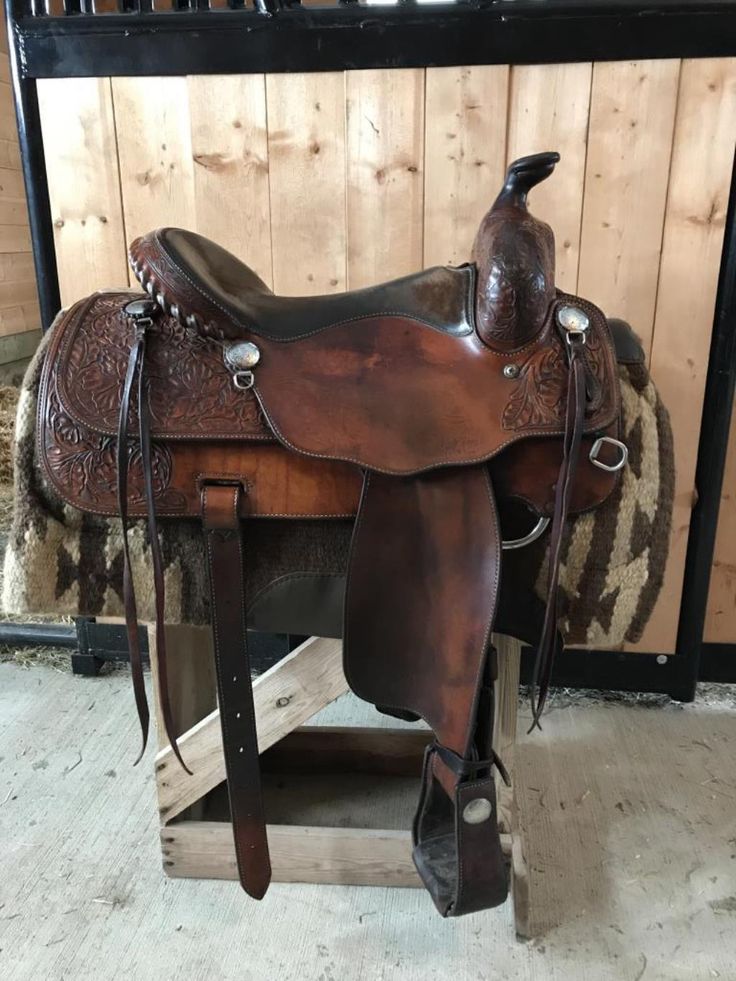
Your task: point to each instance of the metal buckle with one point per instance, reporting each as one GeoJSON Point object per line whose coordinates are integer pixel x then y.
{"type": "Point", "coordinates": [539, 529]}
{"type": "Point", "coordinates": [243, 380]}
{"type": "Point", "coordinates": [596, 448]}
{"type": "Point", "coordinates": [575, 336]}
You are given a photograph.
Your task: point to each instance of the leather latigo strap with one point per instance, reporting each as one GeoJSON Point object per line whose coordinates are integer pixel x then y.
{"type": "Point", "coordinates": [137, 351]}
{"type": "Point", "coordinates": [549, 640]}
{"type": "Point", "coordinates": [139, 314]}
{"type": "Point", "coordinates": [420, 602]}
{"type": "Point", "coordinates": [225, 557]}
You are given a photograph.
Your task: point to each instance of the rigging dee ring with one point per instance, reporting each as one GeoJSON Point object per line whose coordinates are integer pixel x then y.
{"type": "Point", "coordinates": [537, 531]}
{"type": "Point", "coordinates": [542, 523]}
{"type": "Point", "coordinates": [599, 444]}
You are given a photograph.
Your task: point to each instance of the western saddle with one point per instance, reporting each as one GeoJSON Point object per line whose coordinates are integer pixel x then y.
{"type": "Point", "coordinates": [419, 409]}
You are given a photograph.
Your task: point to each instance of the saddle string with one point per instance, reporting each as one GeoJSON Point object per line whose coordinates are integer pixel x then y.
{"type": "Point", "coordinates": [129, 600]}
{"type": "Point", "coordinates": [158, 566]}
{"type": "Point", "coordinates": [136, 362]}
{"type": "Point", "coordinates": [462, 767]}
{"type": "Point", "coordinates": [574, 419]}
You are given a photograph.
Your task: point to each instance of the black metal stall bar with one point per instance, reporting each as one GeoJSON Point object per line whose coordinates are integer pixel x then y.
{"type": "Point", "coordinates": [75, 38]}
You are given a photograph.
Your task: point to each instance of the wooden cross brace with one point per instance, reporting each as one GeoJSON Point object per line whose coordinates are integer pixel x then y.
{"type": "Point", "coordinates": [286, 696]}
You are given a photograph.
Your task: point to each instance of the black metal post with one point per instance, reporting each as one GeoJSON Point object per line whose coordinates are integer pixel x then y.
{"type": "Point", "coordinates": [33, 164]}
{"type": "Point", "coordinates": [712, 448]}
{"type": "Point", "coordinates": [38, 635]}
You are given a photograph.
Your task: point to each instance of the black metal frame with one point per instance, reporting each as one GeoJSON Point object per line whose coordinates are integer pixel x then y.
{"type": "Point", "coordinates": [193, 39]}
{"type": "Point", "coordinates": [337, 37]}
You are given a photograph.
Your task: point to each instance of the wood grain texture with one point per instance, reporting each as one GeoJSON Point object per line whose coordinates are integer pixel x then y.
{"type": "Point", "coordinates": [14, 239]}
{"type": "Point", "coordinates": [720, 624]}
{"type": "Point", "coordinates": [348, 856]}
{"type": "Point", "coordinates": [548, 110]}
{"type": "Point", "coordinates": [155, 154]}
{"type": "Point", "coordinates": [10, 154]}
{"type": "Point", "coordinates": [192, 683]}
{"type": "Point", "coordinates": [17, 267]}
{"type": "Point", "coordinates": [13, 212]}
{"type": "Point", "coordinates": [464, 156]}
{"type": "Point", "coordinates": [19, 317]}
{"type": "Point", "coordinates": [230, 153]}
{"type": "Point", "coordinates": [306, 149]}
{"type": "Point", "coordinates": [19, 310]}
{"type": "Point", "coordinates": [8, 129]}
{"type": "Point", "coordinates": [11, 185]}
{"type": "Point", "coordinates": [21, 292]}
{"type": "Point", "coordinates": [339, 856]}
{"type": "Point", "coordinates": [691, 250]}
{"type": "Point", "coordinates": [505, 723]}
{"type": "Point", "coordinates": [385, 174]}
{"type": "Point", "coordinates": [349, 749]}
{"type": "Point", "coordinates": [301, 684]}
{"type": "Point", "coordinates": [84, 184]}
{"type": "Point", "coordinates": [632, 113]}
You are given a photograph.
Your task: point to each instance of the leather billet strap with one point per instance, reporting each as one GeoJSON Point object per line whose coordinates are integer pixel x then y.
{"type": "Point", "coordinates": [225, 564]}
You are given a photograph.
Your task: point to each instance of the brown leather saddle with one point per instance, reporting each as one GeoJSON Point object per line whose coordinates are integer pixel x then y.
{"type": "Point", "coordinates": [417, 409]}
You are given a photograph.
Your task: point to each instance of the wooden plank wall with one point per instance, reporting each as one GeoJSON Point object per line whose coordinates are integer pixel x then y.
{"type": "Point", "coordinates": [19, 312]}
{"type": "Point", "coordinates": [325, 182]}
{"type": "Point", "coordinates": [720, 625]}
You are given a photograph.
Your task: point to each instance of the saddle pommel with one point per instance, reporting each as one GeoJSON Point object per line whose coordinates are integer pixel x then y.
{"type": "Point", "coordinates": [514, 254]}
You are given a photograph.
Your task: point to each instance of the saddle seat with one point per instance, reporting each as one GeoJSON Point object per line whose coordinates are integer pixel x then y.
{"type": "Point", "coordinates": [206, 287]}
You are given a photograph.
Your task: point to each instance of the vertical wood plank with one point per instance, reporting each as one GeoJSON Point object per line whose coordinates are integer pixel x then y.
{"type": "Point", "coordinates": [549, 107]}
{"type": "Point", "coordinates": [385, 174]}
{"type": "Point", "coordinates": [84, 184]}
{"type": "Point", "coordinates": [19, 310]}
{"type": "Point", "coordinates": [17, 318]}
{"type": "Point", "coordinates": [632, 114]}
{"type": "Point", "coordinates": [720, 624]}
{"type": "Point", "coordinates": [155, 153]}
{"type": "Point", "coordinates": [465, 156]}
{"type": "Point", "coordinates": [230, 153]}
{"type": "Point", "coordinates": [306, 147]}
{"type": "Point", "coordinates": [693, 239]}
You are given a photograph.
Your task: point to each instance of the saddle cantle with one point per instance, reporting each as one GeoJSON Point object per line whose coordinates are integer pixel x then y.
{"type": "Point", "coordinates": [420, 409]}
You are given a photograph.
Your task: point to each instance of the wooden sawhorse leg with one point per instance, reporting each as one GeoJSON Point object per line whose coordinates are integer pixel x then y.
{"type": "Point", "coordinates": [286, 697]}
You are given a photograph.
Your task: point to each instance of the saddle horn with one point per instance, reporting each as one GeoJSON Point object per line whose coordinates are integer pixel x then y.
{"type": "Point", "coordinates": [514, 254]}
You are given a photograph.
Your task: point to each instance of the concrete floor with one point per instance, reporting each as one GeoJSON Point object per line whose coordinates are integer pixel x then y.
{"type": "Point", "coordinates": [630, 817]}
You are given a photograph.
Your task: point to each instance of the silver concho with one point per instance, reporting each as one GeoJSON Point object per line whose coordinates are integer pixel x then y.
{"type": "Point", "coordinates": [573, 319]}
{"type": "Point", "coordinates": [477, 811]}
{"type": "Point", "coordinates": [242, 356]}
{"type": "Point", "coordinates": [141, 308]}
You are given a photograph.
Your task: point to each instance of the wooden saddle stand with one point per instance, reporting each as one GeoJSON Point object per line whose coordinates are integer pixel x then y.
{"type": "Point", "coordinates": [423, 410]}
